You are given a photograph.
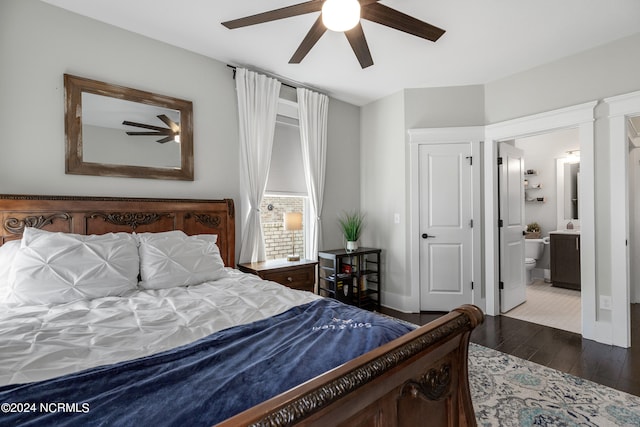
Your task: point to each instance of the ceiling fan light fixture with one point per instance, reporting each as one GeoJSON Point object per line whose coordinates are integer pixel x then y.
{"type": "Point", "coordinates": [573, 155]}
{"type": "Point", "coordinates": [340, 15]}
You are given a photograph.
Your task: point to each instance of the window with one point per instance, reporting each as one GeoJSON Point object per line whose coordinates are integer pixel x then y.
{"type": "Point", "coordinates": [286, 189]}
{"type": "Point", "coordinates": [277, 241]}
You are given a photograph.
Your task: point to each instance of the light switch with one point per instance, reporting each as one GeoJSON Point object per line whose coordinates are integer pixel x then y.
{"type": "Point", "coordinates": [396, 218]}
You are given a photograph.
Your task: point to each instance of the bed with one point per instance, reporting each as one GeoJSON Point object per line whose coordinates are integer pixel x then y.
{"type": "Point", "coordinates": [56, 353]}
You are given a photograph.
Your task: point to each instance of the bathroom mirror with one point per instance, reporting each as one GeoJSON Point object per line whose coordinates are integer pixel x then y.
{"type": "Point", "coordinates": [568, 184]}
{"type": "Point", "coordinates": [118, 131]}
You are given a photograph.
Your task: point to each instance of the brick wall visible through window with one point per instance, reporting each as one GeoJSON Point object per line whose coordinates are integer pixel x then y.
{"type": "Point", "coordinates": [277, 241]}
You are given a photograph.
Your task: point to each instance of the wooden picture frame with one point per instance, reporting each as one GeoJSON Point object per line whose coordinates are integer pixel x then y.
{"type": "Point", "coordinates": [76, 145]}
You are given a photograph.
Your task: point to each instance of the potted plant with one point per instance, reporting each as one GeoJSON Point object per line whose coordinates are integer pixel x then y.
{"type": "Point", "coordinates": [351, 224]}
{"type": "Point", "coordinates": [533, 231]}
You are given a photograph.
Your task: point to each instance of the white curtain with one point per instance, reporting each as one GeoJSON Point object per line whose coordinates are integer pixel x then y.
{"type": "Point", "coordinates": [313, 110]}
{"type": "Point", "coordinates": [257, 108]}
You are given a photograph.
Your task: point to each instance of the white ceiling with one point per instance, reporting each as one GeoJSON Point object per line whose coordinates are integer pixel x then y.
{"type": "Point", "coordinates": [485, 39]}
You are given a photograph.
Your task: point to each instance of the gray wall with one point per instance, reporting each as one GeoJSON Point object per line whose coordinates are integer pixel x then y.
{"type": "Point", "coordinates": [384, 171]}
{"type": "Point", "coordinates": [39, 43]}
{"type": "Point", "coordinates": [383, 192]}
{"type": "Point", "coordinates": [342, 177]}
{"type": "Point", "coordinates": [608, 70]}
{"type": "Point", "coordinates": [366, 156]}
{"type": "Point", "coordinates": [444, 107]}
{"type": "Point", "coordinates": [605, 71]}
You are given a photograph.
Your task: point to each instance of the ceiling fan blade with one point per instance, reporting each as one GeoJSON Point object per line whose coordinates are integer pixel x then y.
{"type": "Point", "coordinates": [273, 15]}
{"type": "Point", "coordinates": [312, 37]}
{"type": "Point", "coordinates": [167, 139]}
{"type": "Point", "coordinates": [147, 133]}
{"type": "Point", "coordinates": [142, 125]}
{"type": "Point", "coordinates": [173, 125]}
{"type": "Point", "coordinates": [359, 45]}
{"type": "Point", "coordinates": [381, 14]}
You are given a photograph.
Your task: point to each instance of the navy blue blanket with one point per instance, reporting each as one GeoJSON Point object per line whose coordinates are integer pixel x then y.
{"type": "Point", "coordinates": [209, 380]}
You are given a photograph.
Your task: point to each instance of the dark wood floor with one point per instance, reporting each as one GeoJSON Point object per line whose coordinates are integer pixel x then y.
{"type": "Point", "coordinates": [612, 366]}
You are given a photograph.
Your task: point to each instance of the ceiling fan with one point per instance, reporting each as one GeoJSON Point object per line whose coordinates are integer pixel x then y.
{"type": "Point", "coordinates": [370, 10]}
{"type": "Point", "coordinates": [171, 133]}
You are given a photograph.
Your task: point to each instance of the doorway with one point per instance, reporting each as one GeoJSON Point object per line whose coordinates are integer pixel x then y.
{"type": "Point", "coordinates": [622, 111]}
{"type": "Point", "coordinates": [633, 126]}
{"type": "Point", "coordinates": [446, 214]}
{"type": "Point", "coordinates": [549, 205]}
{"type": "Point", "coordinates": [633, 203]}
{"type": "Point", "coordinates": [580, 117]}
{"type": "Point", "coordinates": [460, 148]}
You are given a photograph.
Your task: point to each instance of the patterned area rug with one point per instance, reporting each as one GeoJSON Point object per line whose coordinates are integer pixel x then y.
{"type": "Point", "coordinates": [509, 391]}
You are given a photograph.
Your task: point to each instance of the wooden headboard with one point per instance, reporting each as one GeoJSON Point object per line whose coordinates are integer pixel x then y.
{"type": "Point", "coordinates": [99, 215]}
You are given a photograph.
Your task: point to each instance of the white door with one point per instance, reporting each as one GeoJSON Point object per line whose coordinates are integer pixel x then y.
{"type": "Point", "coordinates": [446, 237]}
{"type": "Point", "coordinates": [512, 269]}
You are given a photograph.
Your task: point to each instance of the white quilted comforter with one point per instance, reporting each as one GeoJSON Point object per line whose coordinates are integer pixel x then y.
{"type": "Point", "coordinates": [45, 341]}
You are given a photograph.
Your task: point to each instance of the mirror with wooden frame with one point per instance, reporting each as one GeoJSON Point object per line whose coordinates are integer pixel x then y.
{"type": "Point", "coordinates": [118, 131]}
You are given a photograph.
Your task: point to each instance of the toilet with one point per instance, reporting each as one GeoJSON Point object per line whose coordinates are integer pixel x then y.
{"type": "Point", "coordinates": [533, 249]}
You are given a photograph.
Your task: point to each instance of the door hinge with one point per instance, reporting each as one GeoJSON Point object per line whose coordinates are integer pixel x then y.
{"type": "Point", "coordinates": [501, 285]}
{"type": "Point", "coordinates": [471, 285]}
{"type": "Point", "coordinates": [499, 223]}
{"type": "Point", "coordinates": [499, 160]}
{"type": "Point", "coordinates": [470, 160]}
{"type": "Point", "coordinates": [471, 223]}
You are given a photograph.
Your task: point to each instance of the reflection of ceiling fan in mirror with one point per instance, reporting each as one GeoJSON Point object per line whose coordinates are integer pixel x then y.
{"type": "Point", "coordinates": [333, 17]}
{"type": "Point", "coordinates": [172, 133]}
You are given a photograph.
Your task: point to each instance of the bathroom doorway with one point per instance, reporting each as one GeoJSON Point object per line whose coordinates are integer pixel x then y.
{"type": "Point", "coordinates": [623, 111]}
{"type": "Point", "coordinates": [633, 127]}
{"type": "Point", "coordinates": [551, 211]}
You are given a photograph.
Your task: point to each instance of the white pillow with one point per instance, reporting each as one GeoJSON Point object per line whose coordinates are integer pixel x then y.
{"type": "Point", "coordinates": [8, 252]}
{"type": "Point", "coordinates": [54, 268]}
{"type": "Point", "coordinates": [174, 259]}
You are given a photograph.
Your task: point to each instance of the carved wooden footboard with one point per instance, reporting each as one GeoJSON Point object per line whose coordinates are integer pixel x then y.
{"type": "Point", "coordinates": [418, 379]}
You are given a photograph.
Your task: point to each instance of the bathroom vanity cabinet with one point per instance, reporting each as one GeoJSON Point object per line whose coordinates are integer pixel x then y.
{"type": "Point", "coordinates": [565, 260]}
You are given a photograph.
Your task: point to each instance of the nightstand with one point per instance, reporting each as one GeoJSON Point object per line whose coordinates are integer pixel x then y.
{"type": "Point", "coordinates": [294, 274]}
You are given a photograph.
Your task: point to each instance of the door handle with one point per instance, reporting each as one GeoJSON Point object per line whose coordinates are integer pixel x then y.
{"type": "Point", "coordinates": [426, 236]}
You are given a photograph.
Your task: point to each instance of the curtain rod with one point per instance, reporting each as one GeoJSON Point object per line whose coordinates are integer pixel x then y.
{"type": "Point", "coordinates": [233, 67]}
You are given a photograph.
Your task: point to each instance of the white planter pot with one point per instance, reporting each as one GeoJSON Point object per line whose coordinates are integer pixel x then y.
{"type": "Point", "coordinates": [352, 246]}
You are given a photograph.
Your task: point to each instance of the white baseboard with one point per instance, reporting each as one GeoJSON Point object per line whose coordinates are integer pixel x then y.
{"type": "Point", "coordinates": [402, 303]}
